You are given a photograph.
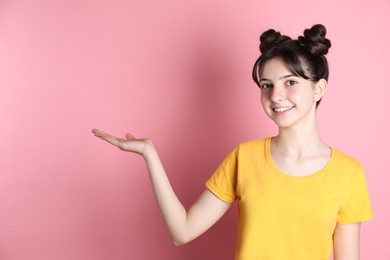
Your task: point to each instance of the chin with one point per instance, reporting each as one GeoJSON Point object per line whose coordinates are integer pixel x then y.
{"type": "Point", "coordinates": [283, 124]}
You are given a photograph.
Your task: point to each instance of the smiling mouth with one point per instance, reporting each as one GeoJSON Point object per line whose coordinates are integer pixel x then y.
{"type": "Point", "coordinates": [281, 109]}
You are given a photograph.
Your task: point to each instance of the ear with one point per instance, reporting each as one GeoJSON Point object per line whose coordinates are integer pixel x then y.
{"type": "Point", "coordinates": [320, 89]}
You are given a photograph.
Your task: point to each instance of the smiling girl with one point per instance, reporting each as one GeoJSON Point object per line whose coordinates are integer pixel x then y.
{"type": "Point", "coordinates": [298, 198]}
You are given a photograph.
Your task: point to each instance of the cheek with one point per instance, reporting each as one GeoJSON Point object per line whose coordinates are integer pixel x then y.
{"type": "Point", "coordinates": [263, 99]}
{"type": "Point", "coordinates": [296, 95]}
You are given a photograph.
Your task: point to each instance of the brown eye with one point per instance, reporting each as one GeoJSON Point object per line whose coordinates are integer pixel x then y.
{"type": "Point", "coordinates": [265, 86]}
{"type": "Point", "coordinates": [291, 82]}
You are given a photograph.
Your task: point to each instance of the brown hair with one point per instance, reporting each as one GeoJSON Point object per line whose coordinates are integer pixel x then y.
{"type": "Point", "coordinates": [304, 56]}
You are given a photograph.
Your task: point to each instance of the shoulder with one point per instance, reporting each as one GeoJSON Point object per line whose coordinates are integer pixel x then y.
{"type": "Point", "coordinates": [252, 144]}
{"type": "Point", "coordinates": [252, 149]}
{"type": "Point", "coordinates": [344, 159]}
{"type": "Point", "coordinates": [343, 163]}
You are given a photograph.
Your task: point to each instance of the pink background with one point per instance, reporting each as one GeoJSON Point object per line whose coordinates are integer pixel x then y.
{"type": "Point", "coordinates": [178, 72]}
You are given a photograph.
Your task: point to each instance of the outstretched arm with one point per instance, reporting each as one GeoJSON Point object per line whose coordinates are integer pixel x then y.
{"type": "Point", "coordinates": [183, 226]}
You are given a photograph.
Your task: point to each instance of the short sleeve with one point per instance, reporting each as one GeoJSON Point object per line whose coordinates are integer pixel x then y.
{"type": "Point", "coordinates": [223, 182]}
{"type": "Point", "coordinates": [357, 207]}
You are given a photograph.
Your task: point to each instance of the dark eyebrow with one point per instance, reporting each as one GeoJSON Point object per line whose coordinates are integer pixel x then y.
{"type": "Point", "coordinates": [283, 77]}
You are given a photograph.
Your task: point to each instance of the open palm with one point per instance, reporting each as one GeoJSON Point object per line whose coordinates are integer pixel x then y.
{"type": "Point", "coordinates": [129, 143]}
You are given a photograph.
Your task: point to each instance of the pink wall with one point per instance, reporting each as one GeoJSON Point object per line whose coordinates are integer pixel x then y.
{"type": "Point", "coordinates": [178, 72]}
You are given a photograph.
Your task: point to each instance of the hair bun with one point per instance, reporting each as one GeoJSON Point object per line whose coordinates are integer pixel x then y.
{"type": "Point", "coordinates": [314, 40]}
{"type": "Point", "coordinates": [270, 39]}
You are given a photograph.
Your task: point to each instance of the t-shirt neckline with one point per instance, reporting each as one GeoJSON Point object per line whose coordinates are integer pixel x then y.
{"type": "Point", "coordinates": [315, 175]}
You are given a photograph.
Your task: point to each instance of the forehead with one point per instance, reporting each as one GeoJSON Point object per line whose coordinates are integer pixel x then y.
{"type": "Point", "coordinates": [275, 68]}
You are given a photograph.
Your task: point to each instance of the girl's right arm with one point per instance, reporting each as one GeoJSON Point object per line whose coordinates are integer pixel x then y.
{"type": "Point", "coordinates": [183, 226]}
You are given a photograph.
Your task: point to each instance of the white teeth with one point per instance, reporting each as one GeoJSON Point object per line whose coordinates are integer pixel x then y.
{"type": "Point", "coordinates": [281, 109]}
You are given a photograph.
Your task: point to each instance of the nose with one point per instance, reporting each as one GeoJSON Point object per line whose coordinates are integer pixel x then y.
{"type": "Point", "coordinates": [277, 94]}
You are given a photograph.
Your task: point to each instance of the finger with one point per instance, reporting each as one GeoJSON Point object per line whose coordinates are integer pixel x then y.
{"type": "Point", "coordinates": [109, 138]}
{"type": "Point", "coordinates": [97, 132]}
{"type": "Point", "coordinates": [130, 137]}
{"type": "Point", "coordinates": [102, 134]}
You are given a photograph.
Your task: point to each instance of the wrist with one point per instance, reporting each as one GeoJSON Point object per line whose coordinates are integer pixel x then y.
{"type": "Point", "coordinates": [148, 150]}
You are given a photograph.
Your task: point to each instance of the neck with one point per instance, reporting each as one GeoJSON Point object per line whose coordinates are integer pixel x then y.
{"type": "Point", "coordinates": [300, 140]}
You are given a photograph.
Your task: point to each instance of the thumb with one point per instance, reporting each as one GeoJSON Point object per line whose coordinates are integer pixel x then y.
{"type": "Point", "coordinates": [130, 137]}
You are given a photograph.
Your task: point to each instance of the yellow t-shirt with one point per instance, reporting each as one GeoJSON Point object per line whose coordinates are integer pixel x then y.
{"type": "Point", "coordinates": [282, 217]}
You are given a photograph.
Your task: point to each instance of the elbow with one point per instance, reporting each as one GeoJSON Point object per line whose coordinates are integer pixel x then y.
{"type": "Point", "coordinates": [181, 236]}
{"type": "Point", "coordinates": [179, 241]}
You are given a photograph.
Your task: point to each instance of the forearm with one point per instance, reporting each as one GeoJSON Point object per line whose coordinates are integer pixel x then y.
{"type": "Point", "coordinates": [182, 226]}
{"type": "Point", "coordinates": [172, 211]}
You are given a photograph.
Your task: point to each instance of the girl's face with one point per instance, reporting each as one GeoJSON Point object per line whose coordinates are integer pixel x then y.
{"type": "Point", "coordinates": [288, 99]}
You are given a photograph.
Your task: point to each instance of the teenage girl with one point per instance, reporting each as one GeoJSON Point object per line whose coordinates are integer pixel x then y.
{"type": "Point", "coordinates": [298, 198]}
